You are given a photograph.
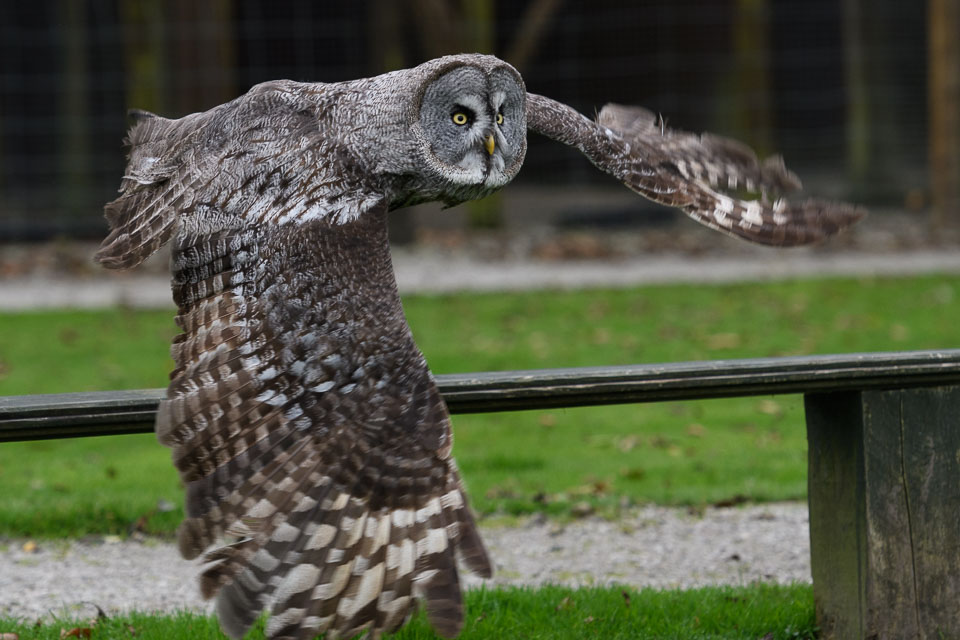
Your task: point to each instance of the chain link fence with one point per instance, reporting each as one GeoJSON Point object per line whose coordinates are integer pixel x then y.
{"type": "Point", "coordinates": [840, 88]}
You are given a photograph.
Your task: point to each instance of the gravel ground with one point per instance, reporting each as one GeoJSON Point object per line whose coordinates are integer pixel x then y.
{"type": "Point", "coordinates": [523, 256]}
{"type": "Point", "coordinates": [426, 272]}
{"type": "Point", "coordinates": [653, 546]}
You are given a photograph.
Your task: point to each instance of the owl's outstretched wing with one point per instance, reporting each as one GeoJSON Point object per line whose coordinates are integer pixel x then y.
{"type": "Point", "coordinates": [263, 154]}
{"type": "Point", "coordinates": [306, 426]}
{"type": "Point", "coordinates": [310, 435]}
{"type": "Point", "coordinates": [688, 171]}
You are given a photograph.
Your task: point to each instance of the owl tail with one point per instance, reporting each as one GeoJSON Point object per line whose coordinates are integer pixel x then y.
{"type": "Point", "coordinates": [142, 219]}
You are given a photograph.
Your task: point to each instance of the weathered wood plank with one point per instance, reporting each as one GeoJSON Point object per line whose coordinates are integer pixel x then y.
{"type": "Point", "coordinates": [835, 490]}
{"type": "Point", "coordinates": [83, 414]}
{"type": "Point", "coordinates": [884, 492]}
{"type": "Point", "coordinates": [887, 577]}
{"type": "Point", "coordinates": [930, 428]}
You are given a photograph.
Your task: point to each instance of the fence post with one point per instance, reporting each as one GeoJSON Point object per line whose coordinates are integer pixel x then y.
{"type": "Point", "coordinates": [884, 491]}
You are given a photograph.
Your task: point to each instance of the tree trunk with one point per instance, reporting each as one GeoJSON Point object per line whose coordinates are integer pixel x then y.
{"type": "Point", "coordinates": [749, 115]}
{"type": "Point", "coordinates": [944, 109]}
{"type": "Point", "coordinates": [876, 113]}
{"type": "Point", "coordinates": [76, 180]}
{"type": "Point", "coordinates": [144, 52]}
{"type": "Point", "coordinates": [201, 55]}
{"type": "Point", "coordinates": [858, 102]}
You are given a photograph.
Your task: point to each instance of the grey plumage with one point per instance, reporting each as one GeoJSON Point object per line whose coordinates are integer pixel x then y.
{"type": "Point", "coordinates": [307, 428]}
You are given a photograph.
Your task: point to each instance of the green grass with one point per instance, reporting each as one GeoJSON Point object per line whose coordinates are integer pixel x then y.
{"type": "Point", "coordinates": [671, 453]}
{"type": "Point", "coordinates": [547, 612]}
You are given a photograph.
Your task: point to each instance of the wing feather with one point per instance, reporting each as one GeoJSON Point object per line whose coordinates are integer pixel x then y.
{"type": "Point", "coordinates": [258, 158]}
{"type": "Point", "coordinates": [685, 171]}
{"type": "Point", "coordinates": [714, 159]}
{"type": "Point", "coordinates": [164, 173]}
{"type": "Point", "coordinates": [299, 411]}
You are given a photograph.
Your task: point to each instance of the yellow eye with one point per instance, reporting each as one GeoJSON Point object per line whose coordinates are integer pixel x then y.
{"type": "Point", "coordinates": [499, 118]}
{"type": "Point", "coordinates": [460, 118]}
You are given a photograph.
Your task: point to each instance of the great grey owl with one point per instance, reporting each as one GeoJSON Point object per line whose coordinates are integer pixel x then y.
{"type": "Point", "coordinates": [307, 428]}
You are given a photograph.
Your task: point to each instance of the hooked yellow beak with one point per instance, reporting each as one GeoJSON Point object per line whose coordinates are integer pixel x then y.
{"type": "Point", "coordinates": [489, 143]}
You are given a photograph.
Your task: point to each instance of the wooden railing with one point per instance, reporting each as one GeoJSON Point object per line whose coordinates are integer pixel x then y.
{"type": "Point", "coordinates": [883, 463]}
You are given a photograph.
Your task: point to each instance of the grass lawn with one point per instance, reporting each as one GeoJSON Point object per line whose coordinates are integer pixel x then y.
{"type": "Point", "coordinates": [760, 611]}
{"type": "Point", "coordinates": [672, 453]}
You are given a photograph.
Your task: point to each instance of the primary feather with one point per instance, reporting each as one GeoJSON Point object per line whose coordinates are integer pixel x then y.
{"type": "Point", "coordinates": [687, 171]}
{"type": "Point", "coordinates": [311, 436]}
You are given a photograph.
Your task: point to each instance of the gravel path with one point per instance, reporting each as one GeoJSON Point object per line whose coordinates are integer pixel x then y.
{"type": "Point", "coordinates": [654, 546]}
{"type": "Point", "coordinates": [425, 272]}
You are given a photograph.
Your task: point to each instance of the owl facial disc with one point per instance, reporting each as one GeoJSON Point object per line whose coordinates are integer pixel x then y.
{"type": "Point", "coordinates": [473, 123]}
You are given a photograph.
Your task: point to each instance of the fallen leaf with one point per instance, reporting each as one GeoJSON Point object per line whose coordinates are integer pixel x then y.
{"type": "Point", "coordinates": [626, 598]}
{"type": "Point", "coordinates": [627, 443]}
{"type": "Point", "coordinates": [548, 420]}
{"type": "Point", "coordinates": [68, 336]}
{"type": "Point", "coordinates": [696, 430]}
{"type": "Point", "coordinates": [770, 407]}
{"type": "Point", "coordinates": [566, 603]}
{"type": "Point", "coordinates": [76, 632]}
{"type": "Point", "coordinates": [731, 502]}
{"type": "Point", "coordinates": [30, 546]}
{"type": "Point", "coordinates": [659, 442]}
{"type": "Point", "coordinates": [697, 511]}
{"type": "Point", "coordinates": [9, 636]}
{"type": "Point", "coordinates": [723, 341]}
{"type": "Point", "coordinates": [601, 487]}
{"type": "Point", "coordinates": [634, 473]}
{"type": "Point", "coordinates": [588, 619]}
{"type": "Point", "coordinates": [899, 333]}
{"type": "Point", "coordinates": [581, 509]}
{"type": "Point", "coordinates": [141, 523]}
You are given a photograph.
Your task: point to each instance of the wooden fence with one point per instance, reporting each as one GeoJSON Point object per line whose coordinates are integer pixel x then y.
{"type": "Point", "coordinates": [883, 462]}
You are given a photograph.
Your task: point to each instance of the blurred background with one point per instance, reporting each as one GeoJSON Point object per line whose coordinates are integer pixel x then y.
{"type": "Point", "coordinates": [861, 97]}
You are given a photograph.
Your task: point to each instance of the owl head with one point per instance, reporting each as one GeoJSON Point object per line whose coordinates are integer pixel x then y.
{"type": "Point", "coordinates": [470, 123]}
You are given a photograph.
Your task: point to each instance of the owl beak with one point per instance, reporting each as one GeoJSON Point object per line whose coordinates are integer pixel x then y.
{"type": "Point", "coordinates": [490, 144]}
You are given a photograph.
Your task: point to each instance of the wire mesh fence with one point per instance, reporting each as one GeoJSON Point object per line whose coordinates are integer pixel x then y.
{"type": "Point", "coordinates": [840, 88]}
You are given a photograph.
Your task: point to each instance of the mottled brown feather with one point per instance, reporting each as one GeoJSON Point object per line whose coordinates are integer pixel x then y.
{"type": "Point", "coordinates": [680, 169]}
{"type": "Point", "coordinates": [364, 441]}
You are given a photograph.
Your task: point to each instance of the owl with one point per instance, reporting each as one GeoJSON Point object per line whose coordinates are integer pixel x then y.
{"type": "Point", "coordinates": [313, 445]}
